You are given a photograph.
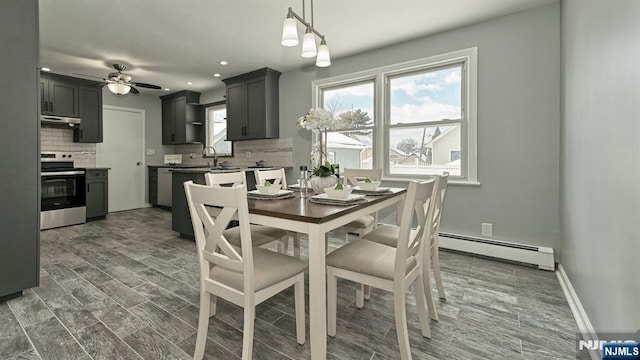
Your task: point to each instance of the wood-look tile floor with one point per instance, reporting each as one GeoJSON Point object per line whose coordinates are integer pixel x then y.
{"type": "Point", "coordinates": [127, 288]}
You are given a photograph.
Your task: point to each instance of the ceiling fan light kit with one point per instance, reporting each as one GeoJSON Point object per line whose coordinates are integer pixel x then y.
{"type": "Point", "coordinates": [119, 89]}
{"type": "Point", "coordinates": [309, 50]}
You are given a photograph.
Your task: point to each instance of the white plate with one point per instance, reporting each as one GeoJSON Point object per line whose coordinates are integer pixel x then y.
{"type": "Point", "coordinates": [351, 197]}
{"type": "Point", "coordinates": [380, 189]}
{"type": "Point", "coordinates": [279, 193]}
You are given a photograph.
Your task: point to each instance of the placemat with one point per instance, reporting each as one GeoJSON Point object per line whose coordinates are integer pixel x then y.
{"type": "Point", "coordinates": [270, 197]}
{"type": "Point", "coordinates": [336, 202]}
{"type": "Point", "coordinates": [372, 192]}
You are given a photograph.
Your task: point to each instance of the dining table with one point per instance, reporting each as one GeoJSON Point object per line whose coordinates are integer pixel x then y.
{"type": "Point", "coordinates": [302, 215]}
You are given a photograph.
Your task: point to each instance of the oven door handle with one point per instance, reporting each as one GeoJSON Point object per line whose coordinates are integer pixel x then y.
{"type": "Point", "coordinates": [61, 173]}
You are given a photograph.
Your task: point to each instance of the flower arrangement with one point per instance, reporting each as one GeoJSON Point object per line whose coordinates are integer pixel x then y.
{"type": "Point", "coordinates": [320, 121]}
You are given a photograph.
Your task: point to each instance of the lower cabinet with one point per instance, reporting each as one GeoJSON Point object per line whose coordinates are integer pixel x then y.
{"type": "Point", "coordinates": [180, 216]}
{"type": "Point", "coordinates": [153, 186]}
{"type": "Point", "coordinates": [97, 193]}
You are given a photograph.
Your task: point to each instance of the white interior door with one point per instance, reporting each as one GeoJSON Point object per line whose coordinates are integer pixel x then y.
{"type": "Point", "coordinates": [122, 150]}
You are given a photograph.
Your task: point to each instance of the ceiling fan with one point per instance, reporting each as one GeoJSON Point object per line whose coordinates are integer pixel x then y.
{"type": "Point", "coordinates": [120, 83]}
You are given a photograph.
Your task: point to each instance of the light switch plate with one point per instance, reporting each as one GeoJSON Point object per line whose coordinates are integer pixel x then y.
{"type": "Point", "coordinates": [151, 151]}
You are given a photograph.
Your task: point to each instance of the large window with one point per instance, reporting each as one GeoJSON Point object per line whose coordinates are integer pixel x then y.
{"type": "Point", "coordinates": [216, 133]}
{"type": "Point", "coordinates": [411, 119]}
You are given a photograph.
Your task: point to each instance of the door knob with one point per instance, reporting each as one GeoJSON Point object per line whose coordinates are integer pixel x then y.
{"type": "Point", "coordinates": [138, 163]}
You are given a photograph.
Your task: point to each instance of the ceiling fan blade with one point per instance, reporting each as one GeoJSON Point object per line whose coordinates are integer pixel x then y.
{"type": "Point", "coordinates": [134, 91]}
{"type": "Point", "coordinates": [148, 86]}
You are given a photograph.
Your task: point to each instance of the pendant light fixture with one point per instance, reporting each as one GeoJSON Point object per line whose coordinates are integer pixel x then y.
{"type": "Point", "coordinates": [309, 49]}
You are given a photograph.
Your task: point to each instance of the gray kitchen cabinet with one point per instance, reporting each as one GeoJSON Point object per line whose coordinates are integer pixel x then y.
{"type": "Point", "coordinates": [182, 118]}
{"type": "Point", "coordinates": [97, 193]}
{"type": "Point", "coordinates": [58, 96]}
{"type": "Point", "coordinates": [253, 105]}
{"type": "Point", "coordinates": [180, 216]}
{"type": "Point", "coordinates": [20, 210]}
{"type": "Point", "coordinates": [153, 186]}
{"type": "Point", "coordinates": [90, 129]}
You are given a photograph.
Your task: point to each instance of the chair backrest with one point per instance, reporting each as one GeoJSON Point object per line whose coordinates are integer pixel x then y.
{"type": "Point", "coordinates": [354, 176]}
{"type": "Point", "coordinates": [213, 248]}
{"type": "Point", "coordinates": [418, 203]}
{"type": "Point", "coordinates": [276, 176]}
{"type": "Point", "coordinates": [233, 178]}
{"type": "Point", "coordinates": [439, 192]}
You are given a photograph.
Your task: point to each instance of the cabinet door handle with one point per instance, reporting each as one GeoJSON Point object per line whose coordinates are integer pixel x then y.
{"type": "Point", "coordinates": [51, 106]}
{"type": "Point", "coordinates": [88, 187]}
{"type": "Point", "coordinates": [80, 133]}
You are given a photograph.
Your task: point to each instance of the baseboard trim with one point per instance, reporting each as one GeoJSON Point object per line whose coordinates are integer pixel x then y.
{"type": "Point", "coordinates": [585, 328]}
{"type": "Point", "coordinates": [538, 255]}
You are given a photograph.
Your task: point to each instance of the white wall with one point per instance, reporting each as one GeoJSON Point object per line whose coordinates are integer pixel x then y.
{"type": "Point", "coordinates": [600, 202]}
{"type": "Point", "coordinates": [518, 121]}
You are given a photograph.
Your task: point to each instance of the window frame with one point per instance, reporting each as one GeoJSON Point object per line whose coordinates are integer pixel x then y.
{"type": "Point", "coordinates": [206, 128]}
{"type": "Point", "coordinates": [381, 127]}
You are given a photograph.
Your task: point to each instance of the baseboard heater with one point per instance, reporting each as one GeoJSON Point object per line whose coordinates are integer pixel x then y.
{"type": "Point", "coordinates": [536, 255]}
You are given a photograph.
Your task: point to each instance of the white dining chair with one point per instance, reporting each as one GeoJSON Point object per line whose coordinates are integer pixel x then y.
{"type": "Point", "coordinates": [441, 190]}
{"type": "Point", "coordinates": [389, 268]}
{"type": "Point", "coordinates": [245, 276]}
{"type": "Point", "coordinates": [365, 223]}
{"type": "Point", "coordinates": [278, 177]}
{"type": "Point", "coordinates": [261, 235]}
{"type": "Point", "coordinates": [388, 235]}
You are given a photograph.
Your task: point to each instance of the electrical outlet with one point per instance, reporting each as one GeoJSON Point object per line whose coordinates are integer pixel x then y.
{"type": "Point", "coordinates": [487, 229]}
{"type": "Point", "coordinates": [151, 151]}
{"type": "Point", "coordinates": [247, 154]}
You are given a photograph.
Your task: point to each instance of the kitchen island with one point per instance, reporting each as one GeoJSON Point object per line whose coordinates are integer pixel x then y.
{"type": "Point", "coordinates": [180, 217]}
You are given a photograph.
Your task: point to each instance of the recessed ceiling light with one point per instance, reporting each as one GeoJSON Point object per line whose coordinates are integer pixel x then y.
{"type": "Point", "coordinates": [45, 69]}
{"type": "Point", "coordinates": [189, 83]}
{"type": "Point", "coordinates": [223, 62]}
{"type": "Point", "coordinates": [167, 89]}
{"type": "Point", "coordinates": [216, 75]}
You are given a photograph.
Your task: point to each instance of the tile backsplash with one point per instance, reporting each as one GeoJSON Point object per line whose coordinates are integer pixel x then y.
{"type": "Point", "coordinates": [276, 152]}
{"type": "Point", "coordinates": [52, 139]}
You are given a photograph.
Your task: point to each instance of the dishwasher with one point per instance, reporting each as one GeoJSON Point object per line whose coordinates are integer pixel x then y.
{"type": "Point", "coordinates": [164, 187]}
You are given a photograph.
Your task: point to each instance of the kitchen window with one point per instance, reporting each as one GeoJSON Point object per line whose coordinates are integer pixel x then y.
{"type": "Point", "coordinates": [216, 129]}
{"type": "Point", "coordinates": [411, 119]}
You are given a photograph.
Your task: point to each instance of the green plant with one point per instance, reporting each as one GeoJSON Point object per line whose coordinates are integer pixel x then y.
{"type": "Point", "coordinates": [325, 170]}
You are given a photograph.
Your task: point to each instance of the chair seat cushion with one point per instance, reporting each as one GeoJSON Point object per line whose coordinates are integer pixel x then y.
{"type": "Point", "coordinates": [367, 257]}
{"type": "Point", "coordinates": [384, 234]}
{"type": "Point", "coordinates": [361, 223]}
{"type": "Point", "coordinates": [260, 235]}
{"type": "Point", "coordinates": [269, 268]}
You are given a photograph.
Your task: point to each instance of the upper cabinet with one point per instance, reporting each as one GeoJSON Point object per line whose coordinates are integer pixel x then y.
{"type": "Point", "coordinates": [58, 96]}
{"type": "Point", "coordinates": [252, 105]}
{"type": "Point", "coordinates": [66, 96]}
{"type": "Point", "coordinates": [90, 129]}
{"type": "Point", "coordinates": [182, 118]}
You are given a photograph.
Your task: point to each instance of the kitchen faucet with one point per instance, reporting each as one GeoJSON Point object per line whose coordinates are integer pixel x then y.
{"type": "Point", "coordinates": [215, 154]}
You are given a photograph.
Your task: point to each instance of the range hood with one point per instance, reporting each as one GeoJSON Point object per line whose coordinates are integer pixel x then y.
{"type": "Point", "coordinates": [60, 122]}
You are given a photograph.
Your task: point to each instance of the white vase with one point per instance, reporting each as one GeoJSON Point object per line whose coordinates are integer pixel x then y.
{"type": "Point", "coordinates": [318, 183]}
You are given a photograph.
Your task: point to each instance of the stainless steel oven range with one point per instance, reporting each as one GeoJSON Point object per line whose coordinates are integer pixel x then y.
{"type": "Point", "coordinates": [63, 194]}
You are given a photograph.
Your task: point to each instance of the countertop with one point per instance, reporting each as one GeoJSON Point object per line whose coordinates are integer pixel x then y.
{"type": "Point", "coordinates": [202, 170]}
{"type": "Point", "coordinates": [97, 168]}
{"type": "Point", "coordinates": [179, 166]}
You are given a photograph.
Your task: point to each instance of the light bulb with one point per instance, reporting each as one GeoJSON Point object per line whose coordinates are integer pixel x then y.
{"type": "Point", "coordinates": [289, 32]}
{"type": "Point", "coordinates": [323, 59]}
{"type": "Point", "coordinates": [309, 44]}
